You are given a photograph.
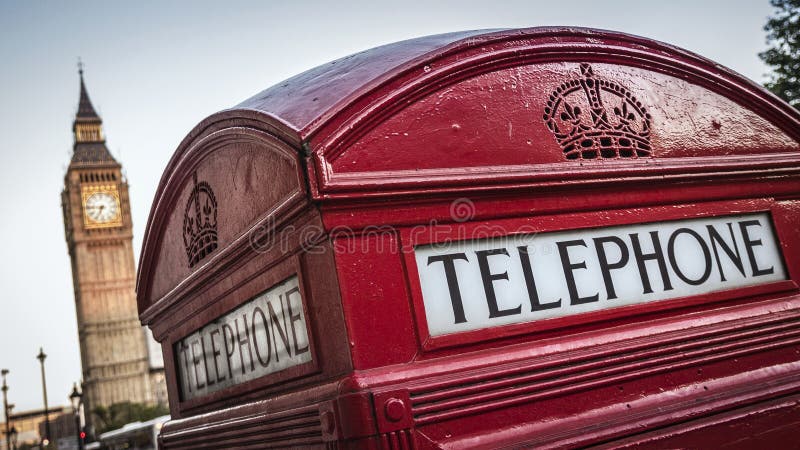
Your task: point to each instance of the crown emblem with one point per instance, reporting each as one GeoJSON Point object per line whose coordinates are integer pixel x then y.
{"type": "Point", "coordinates": [200, 222]}
{"type": "Point", "coordinates": [593, 118]}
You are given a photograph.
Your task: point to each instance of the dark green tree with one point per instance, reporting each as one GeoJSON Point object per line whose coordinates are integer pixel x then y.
{"type": "Point", "coordinates": [783, 55]}
{"type": "Point", "coordinates": [119, 414]}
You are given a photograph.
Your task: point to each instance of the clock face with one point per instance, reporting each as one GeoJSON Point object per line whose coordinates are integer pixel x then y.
{"type": "Point", "coordinates": [102, 207]}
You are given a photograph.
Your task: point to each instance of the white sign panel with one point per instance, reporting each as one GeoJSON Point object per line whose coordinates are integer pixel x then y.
{"type": "Point", "coordinates": [471, 285]}
{"type": "Point", "coordinates": [263, 336]}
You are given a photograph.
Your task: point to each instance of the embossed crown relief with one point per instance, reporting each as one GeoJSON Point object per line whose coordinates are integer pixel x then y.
{"type": "Point", "coordinates": [200, 222]}
{"type": "Point", "coordinates": [592, 118]}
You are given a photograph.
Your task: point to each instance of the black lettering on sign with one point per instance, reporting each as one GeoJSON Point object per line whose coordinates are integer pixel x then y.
{"type": "Point", "coordinates": [185, 360]}
{"type": "Point", "coordinates": [749, 244]}
{"type": "Point", "coordinates": [195, 363]}
{"type": "Point", "coordinates": [530, 282]}
{"type": "Point", "coordinates": [215, 352]}
{"type": "Point", "coordinates": [294, 319]}
{"type": "Point", "coordinates": [265, 327]}
{"type": "Point", "coordinates": [488, 283]}
{"type": "Point", "coordinates": [642, 258]}
{"type": "Point", "coordinates": [245, 343]}
{"type": "Point", "coordinates": [228, 337]}
{"type": "Point", "coordinates": [629, 264]}
{"type": "Point", "coordinates": [605, 266]}
{"type": "Point", "coordinates": [452, 282]}
{"type": "Point", "coordinates": [733, 254]}
{"type": "Point", "coordinates": [282, 332]}
{"type": "Point", "coordinates": [209, 380]}
{"type": "Point", "coordinates": [569, 267]}
{"type": "Point", "coordinates": [674, 262]}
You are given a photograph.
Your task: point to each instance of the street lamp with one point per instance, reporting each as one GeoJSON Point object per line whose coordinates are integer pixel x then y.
{"type": "Point", "coordinates": [4, 372]}
{"type": "Point", "coordinates": [13, 428]}
{"type": "Point", "coordinates": [76, 398]}
{"type": "Point", "coordinates": [41, 357]}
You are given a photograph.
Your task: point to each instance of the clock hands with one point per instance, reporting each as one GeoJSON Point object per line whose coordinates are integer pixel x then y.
{"type": "Point", "coordinates": [101, 208]}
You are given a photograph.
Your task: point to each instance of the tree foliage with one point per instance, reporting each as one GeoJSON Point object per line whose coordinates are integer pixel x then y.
{"type": "Point", "coordinates": [119, 414]}
{"type": "Point", "coordinates": [783, 55]}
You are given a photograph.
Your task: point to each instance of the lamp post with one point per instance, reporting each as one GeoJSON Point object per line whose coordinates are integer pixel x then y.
{"type": "Point", "coordinates": [46, 440]}
{"type": "Point", "coordinates": [76, 398]}
{"type": "Point", "coordinates": [13, 438]}
{"type": "Point", "coordinates": [13, 428]}
{"type": "Point", "coordinates": [4, 372]}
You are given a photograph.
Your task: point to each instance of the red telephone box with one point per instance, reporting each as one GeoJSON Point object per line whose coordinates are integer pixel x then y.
{"type": "Point", "coordinates": [550, 237]}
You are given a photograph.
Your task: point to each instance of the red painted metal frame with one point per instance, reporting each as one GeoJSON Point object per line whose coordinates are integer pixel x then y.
{"type": "Point", "coordinates": [460, 232]}
{"type": "Point", "coordinates": [678, 367]}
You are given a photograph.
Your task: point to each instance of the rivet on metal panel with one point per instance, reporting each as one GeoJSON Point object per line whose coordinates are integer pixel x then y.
{"type": "Point", "coordinates": [328, 422]}
{"type": "Point", "coordinates": [395, 409]}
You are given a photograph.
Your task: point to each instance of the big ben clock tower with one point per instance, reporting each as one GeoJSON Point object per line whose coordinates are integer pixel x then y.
{"type": "Point", "coordinates": [97, 223]}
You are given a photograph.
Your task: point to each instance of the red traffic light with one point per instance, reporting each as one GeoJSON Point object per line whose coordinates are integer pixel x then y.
{"type": "Point", "coordinates": [83, 434]}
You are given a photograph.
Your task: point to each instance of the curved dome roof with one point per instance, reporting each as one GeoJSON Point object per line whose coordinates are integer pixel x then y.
{"type": "Point", "coordinates": [308, 100]}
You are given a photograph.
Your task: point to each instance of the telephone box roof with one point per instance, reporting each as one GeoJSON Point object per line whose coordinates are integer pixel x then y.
{"type": "Point", "coordinates": [309, 100]}
{"type": "Point", "coordinates": [303, 100]}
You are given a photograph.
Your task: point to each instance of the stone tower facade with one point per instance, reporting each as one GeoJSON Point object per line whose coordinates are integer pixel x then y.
{"type": "Point", "coordinates": [97, 223]}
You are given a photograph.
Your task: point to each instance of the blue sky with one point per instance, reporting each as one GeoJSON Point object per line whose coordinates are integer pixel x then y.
{"type": "Point", "coordinates": [155, 69]}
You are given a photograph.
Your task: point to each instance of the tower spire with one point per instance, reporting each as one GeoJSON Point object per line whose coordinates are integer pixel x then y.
{"type": "Point", "coordinates": [88, 127]}
{"type": "Point", "coordinates": [85, 108]}
{"type": "Point", "coordinates": [89, 147]}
